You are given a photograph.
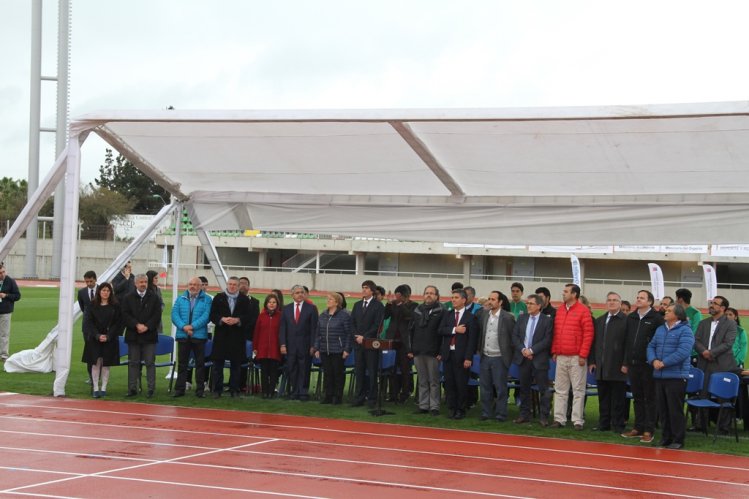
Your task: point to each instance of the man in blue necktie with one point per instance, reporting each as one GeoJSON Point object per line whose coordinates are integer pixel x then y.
{"type": "Point", "coordinates": [531, 340]}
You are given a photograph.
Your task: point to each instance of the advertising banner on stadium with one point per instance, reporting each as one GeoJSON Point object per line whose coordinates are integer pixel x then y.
{"type": "Point", "coordinates": [576, 271]}
{"type": "Point", "coordinates": [711, 281]}
{"type": "Point", "coordinates": [656, 281]}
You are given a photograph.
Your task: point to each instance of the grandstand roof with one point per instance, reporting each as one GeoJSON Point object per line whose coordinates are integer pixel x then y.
{"type": "Point", "coordinates": [665, 174]}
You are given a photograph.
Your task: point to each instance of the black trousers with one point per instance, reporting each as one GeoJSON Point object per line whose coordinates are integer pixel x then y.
{"type": "Point", "coordinates": [612, 398]}
{"type": "Point", "coordinates": [333, 378]}
{"type": "Point", "coordinates": [365, 361]}
{"type": "Point", "coordinates": [268, 376]}
{"type": "Point", "coordinates": [528, 376]}
{"type": "Point", "coordinates": [456, 382]}
{"type": "Point", "coordinates": [670, 395]}
{"type": "Point", "coordinates": [299, 364]}
{"type": "Point", "coordinates": [401, 383]}
{"type": "Point", "coordinates": [643, 394]}
{"type": "Point", "coordinates": [184, 348]}
{"type": "Point", "coordinates": [217, 372]}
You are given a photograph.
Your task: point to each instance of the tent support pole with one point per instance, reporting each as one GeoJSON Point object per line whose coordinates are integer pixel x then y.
{"type": "Point", "coordinates": [209, 249]}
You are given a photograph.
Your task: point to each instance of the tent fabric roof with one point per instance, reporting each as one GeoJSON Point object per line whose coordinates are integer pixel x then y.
{"type": "Point", "coordinates": [668, 174]}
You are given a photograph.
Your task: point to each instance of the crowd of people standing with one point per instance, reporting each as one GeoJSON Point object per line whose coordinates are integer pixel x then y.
{"type": "Point", "coordinates": [647, 350]}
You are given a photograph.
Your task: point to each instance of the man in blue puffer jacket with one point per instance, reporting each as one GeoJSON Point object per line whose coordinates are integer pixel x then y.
{"type": "Point", "coordinates": [669, 354]}
{"type": "Point", "coordinates": [190, 315]}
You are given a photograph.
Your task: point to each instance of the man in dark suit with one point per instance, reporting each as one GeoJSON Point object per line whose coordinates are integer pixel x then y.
{"type": "Point", "coordinates": [141, 312]}
{"type": "Point", "coordinates": [85, 296]}
{"type": "Point", "coordinates": [400, 312]}
{"type": "Point", "coordinates": [495, 347]}
{"type": "Point", "coordinates": [297, 337]}
{"type": "Point", "coordinates": [366, 317]}
{"type": "Point", "coordinates": [606, 360]}
{"type": "Point", "coordinates": [531, 338]}
{"type": "Point", "coordinates": [230, 312]}
{"type": "Point", "coordinates": [249, 327]}
{"type": "Point", "coordinates": [123, 283]}
{"type": "Point", "coordinates": [713, 342]}
{"type": "Point", "coordinates": [459, 338]}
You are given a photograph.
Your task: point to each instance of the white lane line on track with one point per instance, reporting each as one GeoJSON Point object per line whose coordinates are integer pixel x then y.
{"type": "Point", "coordinates": [515, 461]}
{"type": "Point", "coordinates": [382, 435]}
{"type": "Point", "coordinates": [126, 468]}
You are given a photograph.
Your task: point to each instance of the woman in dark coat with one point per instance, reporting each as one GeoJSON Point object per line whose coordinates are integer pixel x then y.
{"type": "Point", "coordinates": [102, 325]}
{"type": "Point", "coordinates": [266, 346]}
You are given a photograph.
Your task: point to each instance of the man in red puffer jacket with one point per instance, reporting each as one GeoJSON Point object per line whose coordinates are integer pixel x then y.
{"type": "Point", "coordinates": [573, 336]}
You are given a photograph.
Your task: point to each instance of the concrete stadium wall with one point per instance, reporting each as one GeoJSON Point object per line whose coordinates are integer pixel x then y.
{"type": "Point", "coordinates": [97, 255]}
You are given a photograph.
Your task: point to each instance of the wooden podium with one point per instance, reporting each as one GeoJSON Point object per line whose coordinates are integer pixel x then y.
{"type": "Point", "coordinates": [380, 345]}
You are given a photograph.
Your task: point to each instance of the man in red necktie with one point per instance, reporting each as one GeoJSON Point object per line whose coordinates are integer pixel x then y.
{"type": "Point", "coordinates": [458, 330]}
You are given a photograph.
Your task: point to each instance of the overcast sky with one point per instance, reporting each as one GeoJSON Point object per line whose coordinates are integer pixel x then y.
{"type": "Point", "coordinates": [149, 54]}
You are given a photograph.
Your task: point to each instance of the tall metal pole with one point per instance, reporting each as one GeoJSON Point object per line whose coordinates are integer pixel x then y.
{"type": "Point", "coordinates": [35, 87]}
{"type": "Point", "coordinates": [61, 137]}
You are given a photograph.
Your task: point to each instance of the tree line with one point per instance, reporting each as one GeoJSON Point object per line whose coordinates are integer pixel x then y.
{"type": "Point", "coordinates": [120, 189]}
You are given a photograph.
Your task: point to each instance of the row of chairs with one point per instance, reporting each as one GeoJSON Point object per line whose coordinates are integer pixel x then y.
{"type": "Point", "coordinates": [723, 387]}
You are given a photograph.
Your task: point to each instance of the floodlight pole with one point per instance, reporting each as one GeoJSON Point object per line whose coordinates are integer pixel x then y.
{"type": "Point", "coordinates": [35, 99]}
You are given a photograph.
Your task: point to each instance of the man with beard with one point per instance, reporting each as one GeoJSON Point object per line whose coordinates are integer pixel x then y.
{"type": "Point", "coordinates": [713, 341]}
{"type": "Point", "coordinates": [425, 348]}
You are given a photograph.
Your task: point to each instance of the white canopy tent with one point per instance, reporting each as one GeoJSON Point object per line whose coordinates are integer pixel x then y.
{"type": "Point", "coordinates": [667, 174]}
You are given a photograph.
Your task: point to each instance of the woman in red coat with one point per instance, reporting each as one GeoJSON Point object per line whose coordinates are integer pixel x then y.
{"type": "Point", "coordinates": [266, 347]}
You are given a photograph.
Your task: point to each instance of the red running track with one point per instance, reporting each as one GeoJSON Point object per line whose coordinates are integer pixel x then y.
{"type": "Point", "coordinates": [101, 448]}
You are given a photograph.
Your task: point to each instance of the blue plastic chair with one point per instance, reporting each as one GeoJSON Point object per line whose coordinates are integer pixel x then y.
{"type": "Point", "coordinates": [473, 377]}
{"type": "Point", "coordinates": [724, 388]}
{"type": "Point", "coordinates": [165, 346]}
{"type": "Point", "coordinates": [124, 351]}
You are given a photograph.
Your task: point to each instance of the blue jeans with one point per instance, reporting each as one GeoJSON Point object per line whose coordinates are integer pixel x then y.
{"type": "Point", "coordinates": [493, 375]}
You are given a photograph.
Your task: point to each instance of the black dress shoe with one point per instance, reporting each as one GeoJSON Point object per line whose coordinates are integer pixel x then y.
{"type": "Point", "coordinates": [178, 394]}
{"type": "Point", "coordinates": [602, 428]}
{"type": "Point", "coordinates": [131, 394]}
{"type": "Point", "coordinates": [200, 395]}
{"type": "Point", "coordinates": [664, 443]}
{"type": "Point", "coordinates": [434, 412]}
{"type": "Point", "coordinates": [483, 418]}
{"type": "Point", "coordinates": [421, 411]}
{"type": "Point", "coordinates": [459, 415]}
{"type": "Point", "coordinates": [149, 394]}
{"type": "Point", "coordinates": [674, 446]}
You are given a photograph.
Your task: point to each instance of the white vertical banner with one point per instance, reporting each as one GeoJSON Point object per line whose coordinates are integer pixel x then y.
{"type": "Point", "coordinates": [656, 281]}
{"type": "Point", "coordinates": [711, 281]}
{"type": "Point", "coordinates": [576, 271]}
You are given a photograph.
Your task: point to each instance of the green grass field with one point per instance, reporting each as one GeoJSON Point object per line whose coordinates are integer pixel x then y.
{"type": "Point", "coordinates": [36, 314]}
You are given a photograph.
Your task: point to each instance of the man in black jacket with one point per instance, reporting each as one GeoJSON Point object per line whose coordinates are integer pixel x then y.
{"type": "Point", "coordinates": [425, 348]}
{"type": "Point", "coordinates": [230, 312]}
{"type": "Point", "coordinates": [606, 360]}
{"type": "Point", "coordinates": [641, 326]}
{"type": "Point", "coordinates": [141, 311]}
{"type": "Point", "coordinates": [366, 318]}
{"type": "Point", "coordinates": [85, 297]}
{"type": "Point", "coordinates": [400, 312]}
{"type": "Point", "coordinates": [123, 283]}
{"type": "Point", "coordinates": [249, 328]}
{"type": "Point", "coordinates": [9, 295]}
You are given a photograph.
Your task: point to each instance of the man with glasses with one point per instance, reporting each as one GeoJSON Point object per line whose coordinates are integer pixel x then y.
{"type": "Point", "coordinates": [531, 339]}
{"type": "Point", "coordinates": [713, 342]}
{"type": "Point", "coordinates": [606, 361]}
